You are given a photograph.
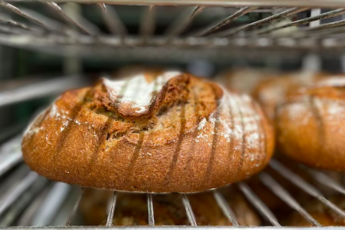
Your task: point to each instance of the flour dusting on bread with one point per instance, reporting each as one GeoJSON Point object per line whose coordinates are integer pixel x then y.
{"type": "Point", "coordinates": [139, 99]}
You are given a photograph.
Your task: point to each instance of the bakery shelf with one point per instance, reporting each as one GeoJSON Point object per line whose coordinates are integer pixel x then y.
{"type": "Point", "coordinates": [20, 184]}
{"type": "Point", "coordinates": [314, 3]}
{"type": "Point", "coordinates": [286, 25]}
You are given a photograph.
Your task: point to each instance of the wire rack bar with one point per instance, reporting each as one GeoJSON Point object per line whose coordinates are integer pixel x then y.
{"type": "Point", "coordinates": [150, 210]}
{"type": "Point", "coordinates": [147, 26]}
{"type": "Point", "coordinates": [113, 22]}
{"type": "Point", "coordinates": [303, 21]}
{"type": "Point", "coordinates": [327, 25]}
{"type": "Point", "coordinates": [286, 197]}
{"type": "Point", "coordinates": [182, 22]}
{"type": "Point", "coordinates": [11, 131]}
{"type": "Point", "coordinates": [37, 202]}
{"type": "Point", "coordinates": [311, 190]}
{"type": "Point", "coordinates": [222, 203]}
{"type": "Point", "coordinates": [40, 89]}
{"type": "Point", "coordinates": [286, 13]}
{"type": "Point", "coordinates": [10, 161]}
{"type": "Point", "coordinates": [189, 210]}
{"type": "Point", "coordinates": [9, 30]}
{"type": "Point", "coordinates": [16, 10]}
{"type": "Point", "coordinates": [59, 11]}
{"type": "Point", "coordinates": [258, 204]}
{"type": "Point", "coordinates": [55, 198]}
{"type": "Point", "coordinates": [103, 41]}
{"type": "Point", "coordinates": [20, 26]}
{"type": "Point", "coordinates": [322, 178]}
{"type": "Point", "coordinates": [10, 154]}
{"type": "Point", "coordinates": [9, 198]}
{"type": "Point", "coordinates": [75, 208]}
{"type": "Point", "coordinates": [262, 3]}
{"type": "Point", "coordinates": [226, 21]}
{"type": "Point", "coordinates": [112, 204]}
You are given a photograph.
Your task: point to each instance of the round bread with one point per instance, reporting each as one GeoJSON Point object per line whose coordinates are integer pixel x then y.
{"type": "Point", "coordinates": [170, 132]}
{"type": "Point", "coordinates": [310, 125]}
{"type": "Point", "coordinates": [131, 209]}
{"type": "Point", "coordinates": [272, 91]}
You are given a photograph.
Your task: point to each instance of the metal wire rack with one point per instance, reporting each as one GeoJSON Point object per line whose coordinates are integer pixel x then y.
{"type": "Point", "coordinates": [293, 25]}
{"type": "Point", "coordinates": [288, 25]}
{"type": "Point", "coordinates": [19, 188]}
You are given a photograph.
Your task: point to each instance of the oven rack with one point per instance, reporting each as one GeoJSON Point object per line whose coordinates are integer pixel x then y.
{"type": "Point", "coordinates": [22, 180]}
{"type": "Point", "coordinates": [291, 25]}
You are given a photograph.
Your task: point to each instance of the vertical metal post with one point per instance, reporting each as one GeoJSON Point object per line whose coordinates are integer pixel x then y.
{"type": "Point", "coordinates": [312, 61]}
{"type": "Point", "coordinates": [72, 63]}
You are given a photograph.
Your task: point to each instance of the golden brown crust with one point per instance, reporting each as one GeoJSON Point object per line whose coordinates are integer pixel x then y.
{"type": "Point", "coordinates": [272, 91]}
{"type": "Point", "coordinates": [310, 126]}
{"type": "Point", "coordinates": [192, 136]}
{"type": "Point", "coordinates": [131, 209]}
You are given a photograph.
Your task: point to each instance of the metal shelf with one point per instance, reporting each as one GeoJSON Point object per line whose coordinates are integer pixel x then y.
{"type": "Point", "coordinates": [287, 3]}
{"type": "Point", "coordinates": [300, 27]}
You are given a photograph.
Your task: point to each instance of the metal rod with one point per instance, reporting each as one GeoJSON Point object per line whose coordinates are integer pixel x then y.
{"type": "Point", "coordinates": [226, 21]}
{"type": "Point", "coordinates": [258, 204]}
{"type": "Point", "coordinates": [75, 207]}
{"type": "Point", "coordinates": [16, 209]}
{"type": "Point", "coordinates": [10, 131]}
{"type": "Point", "coordinates": [12, 30]}
{"type": "Point", "coordinates": [29, 214]}
{"type": "Point", "coordinates": [181, 23]}
{"type": "Point", "coordinates": [327, 25]}
{"type": "Point", "coordinates": [286, 197]}
{"type": "Point", "coordinates": [298, 181]}
{"type": "Point", "coordinates": [260, 3]}
{"type": "Point", "coordinates": [11, 196]}
{"type": "Point", "coordinates": [189, 210]}
{"type": "Point", "coordinates": [225, 208]}
{"type": "Point", "coordinates": [277, 16]}
{"type": "Point", "coordinates": [51, 205]}
{"type": "Point", "coordinates": [10, 161]}
{"type": "Point", "coordinates": [151, 216]}
{"type": "Point", "coordinates": [40, 89]}
{"type": "Point", "coordinates": [112, 210]}
{"type": "Point", "coordinates": [84, 28]}
{"type": "Point", "coordinates": [147, 26]}
{"type": "Point", "coordinates": [21, 26]}
{"type": "Point", "coordinates": [325, 180]}
{"type": "Point", "coordinates": [303, 21]}
{"type": "Point", "coordinates": [10, 154]}
{"type": "Point", "coordinates": [16, 10]}
{"type": "Point", "coordinates": [114, 24]}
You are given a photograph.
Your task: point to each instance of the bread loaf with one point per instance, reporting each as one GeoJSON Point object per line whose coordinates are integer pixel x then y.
{"type": "Point", "coordinates": [272, 91]}
{"type": "Point", "coordinates": [310, 125]}
{"type": "Point", "coordinates": [170, 132]}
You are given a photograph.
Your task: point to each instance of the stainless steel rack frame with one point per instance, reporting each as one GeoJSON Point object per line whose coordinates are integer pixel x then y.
{"type": "Point", "coordinates": [282, 30]}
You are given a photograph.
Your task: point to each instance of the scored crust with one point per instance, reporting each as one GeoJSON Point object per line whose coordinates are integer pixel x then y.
{"type": "Point", "coordinates": [310, 125]}
{"type": "Point", "coordinates": [162, 132]}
